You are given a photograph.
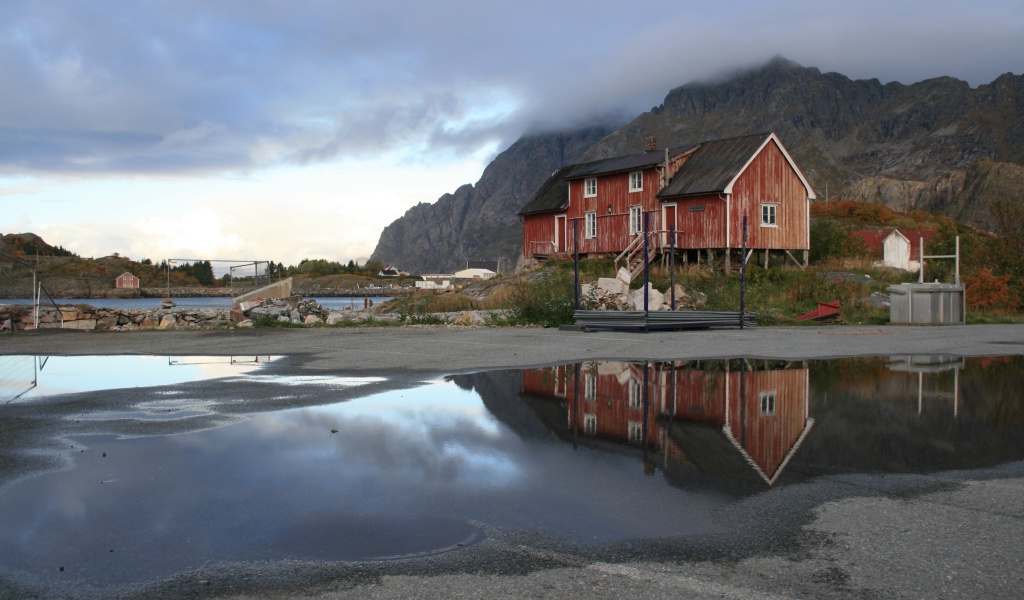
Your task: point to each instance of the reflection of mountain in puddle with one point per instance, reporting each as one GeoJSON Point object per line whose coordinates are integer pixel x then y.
{"type": "Point", "coordinates": [738, 422]}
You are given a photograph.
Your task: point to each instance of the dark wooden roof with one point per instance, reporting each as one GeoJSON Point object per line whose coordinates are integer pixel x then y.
{"type": "Point", "coordinates": [620, 164]}
{"type": "Point", "coordinates": [553, 195]}
{"type": "Point", "coordinates": [714, 166]}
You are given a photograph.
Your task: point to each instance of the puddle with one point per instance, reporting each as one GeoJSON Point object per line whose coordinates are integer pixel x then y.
{"type": "Point", "coordinates": [592, 452]}
{"type": "Point", "coordinates": [28, 377]}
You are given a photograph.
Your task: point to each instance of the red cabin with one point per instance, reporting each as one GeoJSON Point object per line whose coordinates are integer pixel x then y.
{"type": "Point", "coordinates": [126, 281]}
{"type": "Point", "coordinates": [689, 199]}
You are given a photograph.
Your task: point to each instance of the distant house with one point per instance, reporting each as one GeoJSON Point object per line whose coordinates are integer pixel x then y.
{"type": "Point", "coordinates": [689, 199]}
{"type": "Point", "coordinates": [434, 281]}
{"type": "Point", "coordinates": [490, 265]}
{"type": "Point", "coordinates": [898, 249]}
{"type": "Point", "coordinates": [474, 274]}
{"type": "Point", "coordinates": [126, 281]}
{"type": "Point", "coordinates": [390, 271]}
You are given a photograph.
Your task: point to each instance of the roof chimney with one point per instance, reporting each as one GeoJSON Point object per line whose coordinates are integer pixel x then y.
{"type": "Point", "coordinates": [650, 143]}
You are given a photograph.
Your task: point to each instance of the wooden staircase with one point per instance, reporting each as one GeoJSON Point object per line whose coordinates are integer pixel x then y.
{"type": "Point", "coordinates": [633, 256]}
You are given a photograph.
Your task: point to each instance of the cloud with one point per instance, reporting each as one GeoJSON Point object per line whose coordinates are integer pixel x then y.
{"type": "Point", "coordinates": [197, 87]}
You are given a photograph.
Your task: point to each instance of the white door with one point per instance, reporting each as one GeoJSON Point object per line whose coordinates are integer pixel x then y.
{"type": "Point", "coordinates": [560, 241]}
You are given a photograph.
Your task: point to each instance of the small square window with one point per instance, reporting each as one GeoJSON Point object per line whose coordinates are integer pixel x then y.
{"type": "Point", "coordinates": [767, 402]}
{"type": "Point", "coordinates": [590, 424]}
{"type": "Point", "coordinates": [590, 187]}
{"type": "Point", "coordinates": [769, 215]}
{"type": "Point", "coordinates": [590, 225]}
{"type": "Point", "coordinates": [636, 181]}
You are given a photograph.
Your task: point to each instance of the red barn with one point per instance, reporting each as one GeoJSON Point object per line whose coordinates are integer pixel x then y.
{"type": "Point", "coordinates": [690, 199]}
{"type": "Point", "coordinates": [126, 281]}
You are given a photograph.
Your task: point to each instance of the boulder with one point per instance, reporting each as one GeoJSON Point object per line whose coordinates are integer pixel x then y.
{"type": "Point", "coordinates": [655, 299]}
{"type": "Point", "coordinates": [612, 287]}
{"type": "Point", "coordinates": [107, 322]}
{"type": "Point", "coordinates": [84, 324]}
{"type": "Point", "coordinates": [168, 322]}
{"type": "Point", "coordinates": [312, 320]}
{"type": "Point", "coordinates": [336, 317]}
{"type": "Point", "coordinates": [470, 317]}
{"type": "Point", "coordinates": [624, 276]}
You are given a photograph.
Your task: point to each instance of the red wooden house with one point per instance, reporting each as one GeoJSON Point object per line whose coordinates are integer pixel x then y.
{"type": "Point", "coordinates": [689, 199]}
{"type": "Point", "coordinates": [126, 281]}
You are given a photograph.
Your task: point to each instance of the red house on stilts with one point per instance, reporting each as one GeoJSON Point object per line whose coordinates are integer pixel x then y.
{"type": "Point", "coordinates": [690, 200]}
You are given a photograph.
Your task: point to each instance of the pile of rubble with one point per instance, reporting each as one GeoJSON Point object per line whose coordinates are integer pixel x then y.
{"type": "Point", "coordinates": [298, 311]}
{"type": "Point", "coordinates": [614, 294]}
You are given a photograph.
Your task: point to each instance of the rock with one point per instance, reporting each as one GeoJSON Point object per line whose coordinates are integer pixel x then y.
{"type": "Point", "coordinates": [245, 323]}
{"type": "Point", "coordinates": [655, 299]}
{"type": "Point", "coordinates": [312, 320]}
{"type": "Point", "coordinates": [336, 317]}
{"type": "Point", "coordinates": [470, 317]}
{"type": "Point", "coordinates": [149, 322]}
{"type": "Point", "coordinates": [612, 287]}
{"type": "Point", "coordinates": [108, 322]}
{"type": "Point", "coordinates": [168, 322]}
{"type": "Point", "coordinates": [624, 276]}
{"type": "Point", "coordinates": [84, 324]}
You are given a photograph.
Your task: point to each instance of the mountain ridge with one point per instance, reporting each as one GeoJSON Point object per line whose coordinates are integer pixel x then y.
{"type": "Point", "coordinates": [936, 145]}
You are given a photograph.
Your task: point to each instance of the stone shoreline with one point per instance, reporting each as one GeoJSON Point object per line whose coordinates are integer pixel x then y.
{"type": "Point", "coordinates": [304, 312]}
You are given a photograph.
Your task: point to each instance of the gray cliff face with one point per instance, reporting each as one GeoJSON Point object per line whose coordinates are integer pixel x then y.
{"type": "Point", "coordinates": [481, 222]}
{"type": "Point", "coordinates": [936, 145]}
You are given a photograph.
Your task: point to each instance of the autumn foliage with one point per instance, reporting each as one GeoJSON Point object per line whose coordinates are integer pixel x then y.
{"type": "Point", "coordinates": [988, 293]}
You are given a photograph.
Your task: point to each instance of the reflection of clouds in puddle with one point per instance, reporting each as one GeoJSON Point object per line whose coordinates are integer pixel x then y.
{"type": "Point", "coordinates": [433, 435]}
{"type": "Point", "coordinates": [157, 410]}
{"type": "Point", "coordinates": [54, 375]}
{"type": "Point", "coordinates": [321, 380]}
{"type": "Point", "coordinates": [29, 377]}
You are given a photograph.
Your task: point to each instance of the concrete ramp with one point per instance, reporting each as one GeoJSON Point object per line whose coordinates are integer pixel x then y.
{"type": "Point", "coordinates": [278, 289]}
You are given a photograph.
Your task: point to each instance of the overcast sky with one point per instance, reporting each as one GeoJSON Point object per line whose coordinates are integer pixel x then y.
{"type": "Point", "coordinates": [272, 130]}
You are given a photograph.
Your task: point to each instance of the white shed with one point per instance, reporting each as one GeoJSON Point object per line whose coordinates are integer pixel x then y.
{"type": "Point", "coordinates": [896, 251]}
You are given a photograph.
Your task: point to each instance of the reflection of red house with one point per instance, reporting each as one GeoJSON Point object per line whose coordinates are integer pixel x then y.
{"type": "Point", "coordinates": [126, 281]}
{"type": "Point", "coordinates": [761, 414]}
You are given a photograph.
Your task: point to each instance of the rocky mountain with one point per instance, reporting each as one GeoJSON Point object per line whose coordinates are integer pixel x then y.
{"type": "Point", "coordinates": [936, 145]}
{"type": "Point", "coordinates": [480, 221]}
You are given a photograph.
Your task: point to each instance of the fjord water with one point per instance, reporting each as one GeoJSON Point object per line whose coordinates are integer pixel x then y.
{"type": "Point", "coordinates": [163, 479]}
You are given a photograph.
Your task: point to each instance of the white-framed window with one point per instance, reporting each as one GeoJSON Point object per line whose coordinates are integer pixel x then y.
{"type": "Point", "coordinates": [767, 402]}
{"type": "Point", "coordinates": [636, 432]}
{"type": "Point", "coordinates": [589, 386]}
{"type": "Point", "coordinates": [636, 394]}
{"type": "Point", "coordinates": [590, 187]}
{"type": "Point", "coordinates": [636, 181]}
{"type": "Point", "coordinates": [590, 225]}
{"type": "Point", "coordinates": [769, 215]}
{"type": "Point", "coordinates": [636, 220]}
{"type": "Point", "coordinates": [590, 424]}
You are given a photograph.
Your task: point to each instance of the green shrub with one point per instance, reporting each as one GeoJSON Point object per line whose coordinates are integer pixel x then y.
{"type": "Point", "coordinates": [549, 300]}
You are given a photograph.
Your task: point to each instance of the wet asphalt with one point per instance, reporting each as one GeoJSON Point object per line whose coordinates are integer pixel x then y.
{"type": "Point", "coordinates": [945, 535]}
